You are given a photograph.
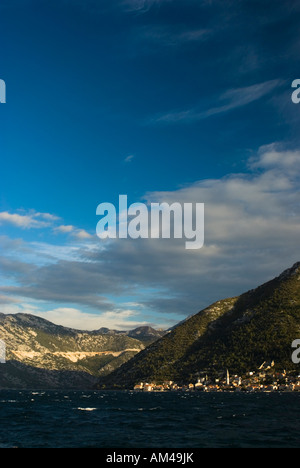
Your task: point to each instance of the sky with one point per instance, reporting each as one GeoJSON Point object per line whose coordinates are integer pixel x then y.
{"type": "Point", "coordinates": [183, 101]}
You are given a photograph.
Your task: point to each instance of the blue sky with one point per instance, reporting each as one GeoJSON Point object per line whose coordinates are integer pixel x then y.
{"type": "Point", "coordinates": [165, 100]}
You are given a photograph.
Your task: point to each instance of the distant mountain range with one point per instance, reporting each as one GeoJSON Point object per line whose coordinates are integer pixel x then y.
{"type": "Point", "coordinates": [40, 354]}
{"type": "Point", "coordinates": [238, 334]}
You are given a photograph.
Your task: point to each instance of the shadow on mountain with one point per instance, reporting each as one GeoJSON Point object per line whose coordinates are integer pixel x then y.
{"type": "Point", "coordinates": [16, 375]}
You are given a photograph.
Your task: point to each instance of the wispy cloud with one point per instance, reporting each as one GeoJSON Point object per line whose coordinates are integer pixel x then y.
{"type": "Point", "coordinates": [129, 158]}
{"type": "Point", "coordinates": [171, 36]}
{"type": "Point", "coordinates": [8, 300]}
{"type": "Point", "coordinates": [141, 6]}
{"type": "Point", "coordinates": [228, 101]}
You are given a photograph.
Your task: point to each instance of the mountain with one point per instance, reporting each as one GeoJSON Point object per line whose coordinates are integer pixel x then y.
{"type": "Point", "coordinates": [42, 354]}
{"type": "Point", "coordinates": [145, 334]}
{"type": "Point", "coordinates": [238, 334]}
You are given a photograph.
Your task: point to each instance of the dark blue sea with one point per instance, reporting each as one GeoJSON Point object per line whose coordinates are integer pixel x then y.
{"type": "Point", "coordinates": [78, 419]}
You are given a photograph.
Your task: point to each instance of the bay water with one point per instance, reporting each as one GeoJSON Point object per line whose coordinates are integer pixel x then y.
{"type": "Point", "coordinates": [108, 419]}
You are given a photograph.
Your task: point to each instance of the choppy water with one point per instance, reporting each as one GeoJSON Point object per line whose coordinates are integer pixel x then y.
{"type": "Point", "coordinates": [70, 419]}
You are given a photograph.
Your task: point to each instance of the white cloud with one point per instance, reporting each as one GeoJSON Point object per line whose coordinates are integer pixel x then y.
{"type": "Point", "coordinates": [272, 157]}
{"type": "Point", "coordinates": [252, 231]}
{"type": "Point", "coordinates": [72, 318]}
{"type": "Point", "coordinates": [250, 209]}
{"type": "Point", "coordinates": [22, 221]}
{"type": "Point", "coordinates": [75, 318]}
{"type": "Point", "coordinates": [17, 307]}
{"type": "Point", "coordinates": [36, 220]}
{"type": "Point", "coordinates": [48, 216]}
{"type": "Point", "coordinates": [82, 234]}
{"type": "Point", "coordinates": [64, 229]}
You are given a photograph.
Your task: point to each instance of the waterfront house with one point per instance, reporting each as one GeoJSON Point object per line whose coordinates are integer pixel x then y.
{"type": "Point", "coordinates": [139, 387]}
{"type": "Point", "coordinates": [148, 387]}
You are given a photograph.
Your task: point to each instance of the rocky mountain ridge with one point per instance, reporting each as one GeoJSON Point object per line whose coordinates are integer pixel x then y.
{"type": "Point", "coordinates": [40, 353]}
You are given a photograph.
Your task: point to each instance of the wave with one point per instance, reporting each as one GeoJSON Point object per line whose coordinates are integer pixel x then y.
{"type": "Point", "coordinates": [86, 409]}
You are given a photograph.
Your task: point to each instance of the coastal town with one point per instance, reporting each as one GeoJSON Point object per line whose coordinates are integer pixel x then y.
{"type": "Point", "coordinates": [263, 379]}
